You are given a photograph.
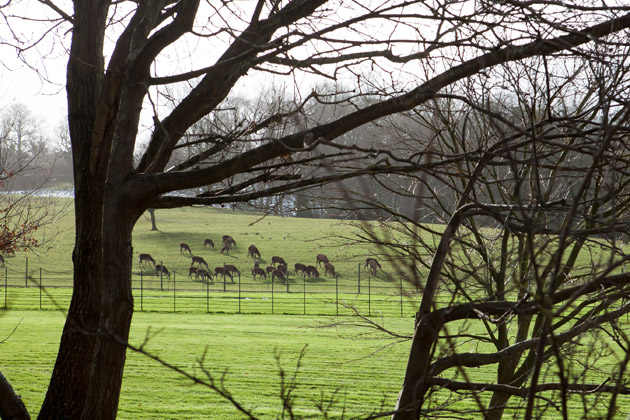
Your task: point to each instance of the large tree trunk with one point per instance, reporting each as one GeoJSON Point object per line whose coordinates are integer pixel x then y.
{"type": "Point", "coordinates": [68, 387]}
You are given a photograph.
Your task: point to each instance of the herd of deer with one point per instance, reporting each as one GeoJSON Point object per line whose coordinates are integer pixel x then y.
{"type": "Point", "coordinates": [278, 268]}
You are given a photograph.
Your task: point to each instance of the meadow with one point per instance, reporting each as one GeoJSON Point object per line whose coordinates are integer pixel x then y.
{"type": "Point", "coordinates": [238, 332]}
{"type": "Point", "coordinates": [348, 369]}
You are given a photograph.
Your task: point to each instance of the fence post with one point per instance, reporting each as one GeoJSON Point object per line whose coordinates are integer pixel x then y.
{"type": "Point", "coordinates": [239, 293]}
{"type": "Point", "coordinates": [6, 285]}
{"type": "Point", "coordinates": [401, 298]}
{"type": "Point", "coordinates": [208, 294]}
{"type": "Point", "coordinates": [141, 290]}
{"type": "Point", "coordinates": [40, 288]}
{"type": "Point", "coordinates": [287, 280]}
{"type": "Point", "coordinates": [304, 295]}
{"type": "Point", "coordinates": [174, 288]}
{"type": "Point", "coordinates": [224, 286]}
{"type": "Point", "coordinates": [369, 295]}
{"type": "Point", "coordinates": [26, 274]}
{"type": "Point", "coordinates": [272, 295]}
{"type": "Point", "coordinates": [161, 277]}
{"type": "Point", "coordinates": [359, 282]}
{"type": "Point", "coordinates": [337, 293]}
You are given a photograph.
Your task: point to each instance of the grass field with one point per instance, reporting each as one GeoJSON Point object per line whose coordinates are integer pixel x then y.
{"type": "Point", "coordinates": [338, 362]}
{"type": "Point", "coordinates": [240, 326]}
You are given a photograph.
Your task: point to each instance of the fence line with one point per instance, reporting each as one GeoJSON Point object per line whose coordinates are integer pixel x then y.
{"type": "Point", "coordinates": [50, 290]}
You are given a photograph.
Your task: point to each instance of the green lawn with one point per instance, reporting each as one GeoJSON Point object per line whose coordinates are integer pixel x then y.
{"type": "Point", "coordinates": [338, 362]}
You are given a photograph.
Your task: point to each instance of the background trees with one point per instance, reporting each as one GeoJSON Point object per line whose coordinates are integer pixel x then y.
{"type": "Point", "coordinates": [126, 60]}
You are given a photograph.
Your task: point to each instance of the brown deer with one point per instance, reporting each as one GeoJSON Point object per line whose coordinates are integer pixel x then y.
{"type": "Point", "coordinates": [257, 271]}
{"type": "Point", "coordinates": [223, 272]}
{"type": "Point", "coordinates": [270, 269]}
{"type": "Point", "coordinates": [225, 249]}
{"type": "Point", "coordinates": [159, 268]}
{"type": "Point", "coordinates": [193, 271]}
{"type": "Point", "coordinates": [329, 269]}
{"type": "Point", "coordinates": [312, 271]}
{"type": "Point", "coordinates": [283, 268]}
{"type": "Point", "coordinates": [277, 260]}
{"type": "Point", "coordinates": [143, 260]}
{"type": "Point", "coordinates": [277, 274]}
{"type": "Point", "coordinates": [203, 274]}
{"type": "Point", "coordinates": [321, 259]}
{"type": "Point", "coordinates": [184, 247]}
{"type": "Point", "coordinates": [373, 265]}
{"type": "Point", "coordinates": [232, 269]}
{"type": "Point", "coordinates": [199, 261]}
{"type": "Point", "coordinates": [229, 241]}
{"type": "Point", "coordinates": [253, 252]}
{"type": "Point", "coordinates": [208, 242]}
{"type": "Point", "coordinates": [301, 268]}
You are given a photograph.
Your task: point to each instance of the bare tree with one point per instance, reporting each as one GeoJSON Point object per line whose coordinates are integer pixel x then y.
{"type": "Point", "coordinates": [530, 268]}
{"type": "Point", "coordinates": [418, 47]}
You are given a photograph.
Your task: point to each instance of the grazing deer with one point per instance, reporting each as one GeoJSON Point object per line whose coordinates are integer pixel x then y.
{"type": "Point", "coordinates": [199, 261]}
{"type": "Point", "coordinates": [256, 263]}
{"type": "Point", "coordinates": [253, 252]}
{"type": "Point", "coordinates": [301, 268]}
{"type": "Point", "coordinates": [270, 269]}
{"type": "Point", "coordinates": [184, 247]}
{"type": "Point", "coordinates": [144, 260]}
{"type": "Point", "coordinates": [223, 272]}
{"type": "Point", "coordinates": [193, 271]}
{"type": "Point", "coordinates": [159, 268]}
{"type": "Point", "coordinates": [373, 265]}
{"type": "Point", "coordinates": [229, 241]}
{"type": "Point", "coordinates": [312, 271]}
{"type": "Point", "coordinates": [277, 260]}
{"type": "Point", "coordinates": [232, 269]}
{"type": "Point", "coordinates": [283, 268]}
{"type": "Point", "coordinates": [329, 269]}
{"type": "Point", "coordinates": [278, 274]}
{"type": "Point", "coordinates": [203, 274]}
{"type": "Point", "coordinates": [225, 249]}
{"type": "Point", "coordinates": [208, 242]}
{"type": "Point", "coordinates": [257, 271]}
{"type": "Point", "coordinates": [321, 259]}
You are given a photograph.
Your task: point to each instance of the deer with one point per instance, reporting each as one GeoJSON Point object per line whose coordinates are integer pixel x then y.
{"type": "Point", "coordinates": [329, 269]}
{"type": "Point", "coordinates": [257, 271]}
{"type": "Point", "coordinates": [253, 252]}
{"type": "Point", "coordinates": [203, 274]}
{"type": "Point", "coordinates": [159, 268]}
{"type": "Point", "coordinates": [278, 274]}
{"type": "Point", "coordinates": [225, 249]}
{"type": "Point", "coordinates": [321, 259]}
{"type": "Point", "coordinates": [208, 242]}
{"type": "Point", "coordinates": [184, 247]}
{"type": "Point", "coordinates": [373, 265]}
{"type": "Point", "coordinates": [301, 268]}
{"type": "Point", "coordinates": [270, 269]}
{"type": "Point", "coordinates": [199, 261]}
{"type": "Point", "coordinates": [312, 271]}
{"type": "Point", "coordinates": [143, 260]}
{"type": "Point", "coordinates": [232, 269]}
{"type": "Point", "coordinates": [223, 272]}
{"type": "Point", "coordinates": [193, 271]}
{"type": "Point", "coordinates": [277, 260]}
{"type": "Point", "coordinates": [229, 241]}
{"type": "Point", "coordinates": [283, 268]}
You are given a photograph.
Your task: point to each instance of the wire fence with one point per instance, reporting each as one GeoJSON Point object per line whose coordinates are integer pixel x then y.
{"type": "Point", "coordinates": [38, 288]}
